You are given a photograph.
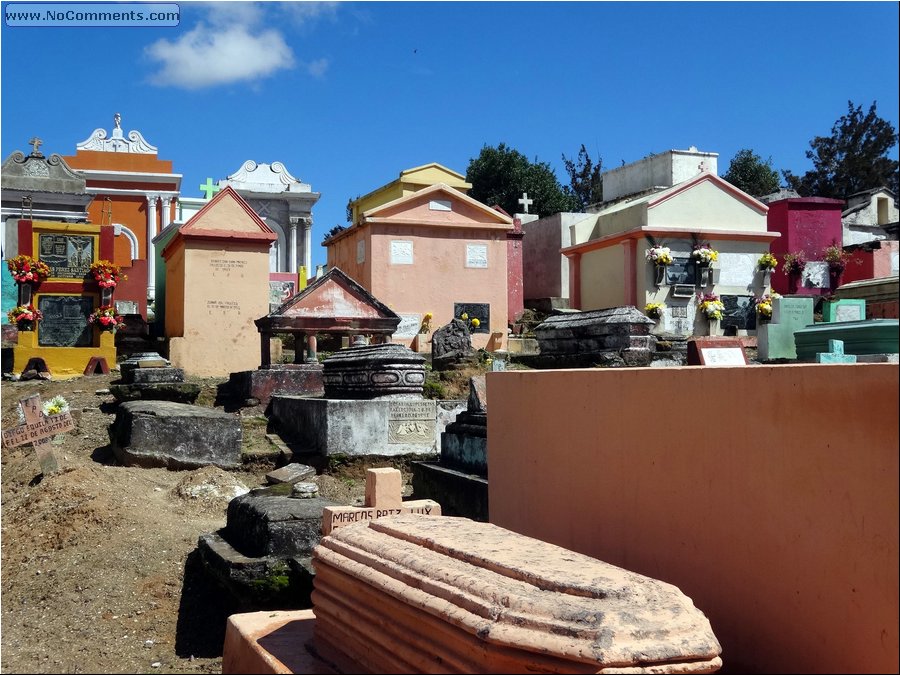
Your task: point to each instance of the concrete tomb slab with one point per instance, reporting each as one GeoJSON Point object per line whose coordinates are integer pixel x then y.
{"type": "Point", "coordinates": [775, 338]}
{"type": "Point", "coordinates": [290, 473]}
{"type": "Point", "coordinates": [875, 336]}
{"type": "Point", "coordinates": [175, 436]}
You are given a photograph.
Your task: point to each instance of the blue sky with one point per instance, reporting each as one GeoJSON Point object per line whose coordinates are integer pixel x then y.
{"type": "Point", "coordinates": [348, 94]}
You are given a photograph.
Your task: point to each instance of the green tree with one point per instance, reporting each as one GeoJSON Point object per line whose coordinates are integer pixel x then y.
{"type": "Point", "coordinates": [585, 183]}
{"type": "Point", "coordinates": [748, 172]}
{"type": "Point", "coordinates": [500, 175]}
{"type": "Point", "coordinates": [854, 158]}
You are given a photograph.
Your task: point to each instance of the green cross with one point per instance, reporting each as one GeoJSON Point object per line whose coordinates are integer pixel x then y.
{"type": "Point", "coordinates": [209, 188]}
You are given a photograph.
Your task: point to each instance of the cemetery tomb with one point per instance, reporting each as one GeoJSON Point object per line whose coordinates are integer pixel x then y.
{"type": "Point", "coordinates": [775, 338]}
{"type": "Point", "coordinates": [175, 436]}
{"type": "Point", "coordinates": [373, 405]}
{"type": "Point", "coordinates": [148, 376]}
{"type": "Point", "coordinates": [409, 594]}
{"type": "Point", "coordinates": [875, 336]}
{"type": "Point", "coordinates": [716, 351]}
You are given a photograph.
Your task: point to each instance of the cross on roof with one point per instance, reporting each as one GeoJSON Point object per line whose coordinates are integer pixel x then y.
{"type": "Point", "coordinates": [209, 188]}
{"type": "Point", "coordinates": [525, 202]}
{"type": "Point", "coordinates": [37, 430]}
{"type": "Point", "coordinates": [36, 142]}
{"type": "Point", "coordinates": [383, 498]}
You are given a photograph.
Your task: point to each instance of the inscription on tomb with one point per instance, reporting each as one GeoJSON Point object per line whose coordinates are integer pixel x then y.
{"type": "Point", "coordinates": [65, 321]}
{"type": "Point", "coordinates": [411, 422]}
{"type": "Point", "coordinates": [723, 356]}
{"type": "Point", "coordinates": [222, 306]}
{"type": "Point", "coordinates": [409, 326]}
{"type": "Point", "coordinates": [226, 264]}
{"type": "Point", "coordinates": [68, 256]}
{"type": "Point", "coordinates": [848, 313]}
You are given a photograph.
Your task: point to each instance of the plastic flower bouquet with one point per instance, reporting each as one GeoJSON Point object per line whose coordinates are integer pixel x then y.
{"type": "Point", "coordinates": [704, 254]}
{"type": "Point", "coordinates": [711, 305]}
{"type": "Point", "coordinates": [55, 406]}
{"type": "Point", "coordinates": [470, 323]}
{"type": "Point", "coordinates": [24, 316]}
{"type": "Point", "coordinates": [107, 318]}
{"type": "Point", "coordinates": [794, 263]}
{"type": "Point", "coordinates": [836, 257]}
{"type": "Point", "coordinates": [106, 274]}
{"type": "Point", "coordinates": [767, 262]}
{"type": "Point", "coordinates": [660, 255]}
{"type": "Point", "coordinates": [764, 305]}
{"type": "Point", "coordinates": [654, 309]}
{"type": "Point", "coordinates": [426, 323]}
{"type": "Point", "coordinates": [25, 269]}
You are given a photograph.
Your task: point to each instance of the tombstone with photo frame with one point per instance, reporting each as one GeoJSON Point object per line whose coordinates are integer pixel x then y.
{"type": "Point", "coordinates": [739, 314]}
{"type": "Point", "coordinates": [474, 310]}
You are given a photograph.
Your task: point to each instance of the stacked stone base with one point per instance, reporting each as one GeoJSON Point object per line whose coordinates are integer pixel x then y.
{"type": "Point", "coordinates": [301, 379]}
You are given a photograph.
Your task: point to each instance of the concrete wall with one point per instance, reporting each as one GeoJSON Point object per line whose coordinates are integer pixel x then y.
{"type": "Point", "coordinates": [663, 169]}
{"type": "Point", "coordinates": [603, 278]}
{"type": "Point", "coordinates": [768, 494]}
{"type": "Point", "coordinates": [546, 269]}
{"type": "Point", "coordinates": [707, 205]}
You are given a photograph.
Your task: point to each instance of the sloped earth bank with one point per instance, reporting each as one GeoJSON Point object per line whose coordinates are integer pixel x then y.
{"type": "Point", "coordinates": [94, 556]}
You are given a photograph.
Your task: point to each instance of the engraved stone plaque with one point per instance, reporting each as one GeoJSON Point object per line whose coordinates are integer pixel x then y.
{"type": "Point", "coordinates": [815, 275]}
{"type": "Point", "coordinates": [401, 252]}
{"type": "Point", "coordinates": [476, 255]}
{"type": "Point", "coordinates": [411, 422]}
{"type": "Point", "coordinates": [723, 356]}
{"type": "Point", "coordinates": [848, 313]}
{"type": "Point", "coordinates": [737, 269]}
{"type": "Point", "coordinates": [409, 326]}
{"type": "Point", "coordinates": [65, 321]}
{"type": "Point", "coordinates": [68, 256]}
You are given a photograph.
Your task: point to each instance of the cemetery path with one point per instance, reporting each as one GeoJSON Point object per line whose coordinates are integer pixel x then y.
{"type": "Point", "coordinates": [93, 556]}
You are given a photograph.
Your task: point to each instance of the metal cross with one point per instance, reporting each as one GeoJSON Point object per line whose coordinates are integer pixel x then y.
{"type": "Point", "coordinates": [209, 188]}
{"type": "Point", "coordinates": [36, 142]}
{"type": "Point", "coordinates": [525, 202]}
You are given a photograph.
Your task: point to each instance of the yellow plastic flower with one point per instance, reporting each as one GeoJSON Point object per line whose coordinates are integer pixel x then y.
{"type": "Point", "coordinates": [475, 323]}
{"type": "Point", "coordinates": [464, 317]}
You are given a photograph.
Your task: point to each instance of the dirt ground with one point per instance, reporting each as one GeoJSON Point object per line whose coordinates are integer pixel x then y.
{"type": "Point", "coordinates": [94, 556]}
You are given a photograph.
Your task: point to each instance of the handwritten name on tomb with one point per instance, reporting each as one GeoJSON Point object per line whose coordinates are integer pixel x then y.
{"type": "Point", "coordinates": [35, 431]}
{"type": "Point", "coordinates": [338, 516]}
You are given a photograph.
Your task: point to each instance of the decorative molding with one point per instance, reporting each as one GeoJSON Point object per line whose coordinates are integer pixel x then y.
{"type": "Point", "coordinates": [98, 141]}
{"type": "Point", "coordinates": [262, 177]}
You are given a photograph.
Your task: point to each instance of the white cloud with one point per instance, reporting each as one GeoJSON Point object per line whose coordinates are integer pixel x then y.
{"type": "Point", "coordinates": [209, 56]}
{"type": "Point", "coordinates": [302, 12]}
{"type": "Point", "coordinates": [317, 68]}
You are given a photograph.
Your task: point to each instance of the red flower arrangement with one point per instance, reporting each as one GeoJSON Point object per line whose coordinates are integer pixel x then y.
{"type": "Point", "coordinates": [107, 318]}
{"type": "Point", "coordinates": [106, 274]}
{"type": "Point", "coordinates": [24, 314]}
{"type": "Point", "coordinates": [26, 269]}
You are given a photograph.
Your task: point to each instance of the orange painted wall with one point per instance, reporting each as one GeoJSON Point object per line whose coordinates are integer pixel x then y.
{"type": "Point", "coordinates": [768, 494]}
{"type": "Point", "coordinates": [342, 254]}
{"type": "Point", "coordinates": [438, 277]}
{"type": "Point", "coordinates": [122, 161]}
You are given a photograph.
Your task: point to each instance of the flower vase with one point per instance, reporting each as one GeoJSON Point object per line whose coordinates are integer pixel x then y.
{"type": "Point", "coordinates": [714, 327]}
{"type": "Point", "coordinates": [767, 278]}
{"type": "Point", "coordinates": [106, 295]}
{"type": "Point", "coordinates": [834, 277]}
{"type": "Point", "coordinates": [659, 274]}
{"type": "Point", "coordinates": [26, 292]}
{"type": "Point", "coordinates": [793, 282]}
{"type": "Point", "coordinates": [25, 326]}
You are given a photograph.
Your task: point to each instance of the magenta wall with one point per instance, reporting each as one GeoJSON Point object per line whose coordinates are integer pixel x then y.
{"type": "Point", "coordinates": [515, 300]}
{"type": "Point", "coordinates": [807, 224]}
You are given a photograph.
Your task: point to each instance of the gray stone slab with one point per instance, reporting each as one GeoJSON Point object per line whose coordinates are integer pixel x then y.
{"type": "Point", "coordinates": [156, 375]}
{"type": "Point", "coordinates": [176, 392]}
{"type": "Point", "coordinates": [291, 473]}
{"type": "Point", "coordinates": [175, 436]}
{"type": "Point", "coordinates": [261, 523]}
{"type": "Point", "coordinates": [478, 394]}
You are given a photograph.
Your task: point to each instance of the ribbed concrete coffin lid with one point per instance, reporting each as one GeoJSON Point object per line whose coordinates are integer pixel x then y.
{"type": "Point", "coordinates": [413, 594]}
{"type": "Point", "coordinates": [372, 371]}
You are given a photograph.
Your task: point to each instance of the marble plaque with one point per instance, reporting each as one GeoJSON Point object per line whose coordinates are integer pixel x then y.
{"type": "Point", "coordinates": [401, 252]}
{"type": "Point", "coordinates": [815, 275]}
{"type": "Point", "coordinates": [440, 205]}
{"type": "Point", "coordinates": [127, 307]}
{"type": "Point", "coordinates": [409, 326]}
{"type": "Point", "coordinates": [895, 262]}
{"type": "Point", "coordinates": [65, 321]}
{"type": "Point", "coordinates": [740, 312]}
{"type": "Point", "coordinates": [68, 256]}
{"type": "Point", "coordinates": [361, 251]}
{"type": "Point", "coordinates": [476, 255]}
{"type": "Point", "coordinates": [737, 269]}
{"type": "Point", "coordinates": [848, 313]}
{"type": "Point", "coordinates": [723, 356]}
{"type": "Point", "coordinates": [279, 293]}
{"type": "Point", "coordinates": [475, 310]}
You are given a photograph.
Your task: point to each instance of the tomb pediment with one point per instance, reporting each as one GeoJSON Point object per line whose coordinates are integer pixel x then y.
{"type": "Point", "coordinates": [226, 216]}
{"type": "Point", "coordinates": [333, 302]}
{"type": "Point", "coordinates": [439, 204]}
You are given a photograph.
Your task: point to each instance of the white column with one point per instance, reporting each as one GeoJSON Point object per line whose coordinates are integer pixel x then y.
{"type": "Point", "coordinates": [151, 254]}
{"type": "Point", "coordinates": [166, 212]}
{"type": "Point", "coordinates": [292, 258]}
{"type": "Point", "coordinates": [307, 246]}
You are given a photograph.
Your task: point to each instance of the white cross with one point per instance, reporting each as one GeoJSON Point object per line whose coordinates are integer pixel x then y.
{"type": "Point", "coordinates": [525, 202]}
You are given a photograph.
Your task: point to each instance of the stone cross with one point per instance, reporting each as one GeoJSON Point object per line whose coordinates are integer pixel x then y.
{"type": "Point", "coordinates": [209, 188]}
{"type": "Point", "coordinates": [525, 202]}
{"type": "Point", "coordinates": [37, 430]}
{"type": "Point", "coordinates": [36, 143]}
{"type": "Point", "coordinates": [835, 354]}
{"type": "Point", "coordinates": [383, 498]}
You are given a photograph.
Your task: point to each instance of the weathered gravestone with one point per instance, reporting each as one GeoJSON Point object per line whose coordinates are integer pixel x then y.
{"type": "Point", "coordinates": [459, 480]}
{"type": "Point", "coordinates": [614, 337]}
{"type": "Point", "coordinates": [775, 338]}
{"type": "Point", "coordinates": [37, 430]}
{"type": "Point", "coordinates": [175, 436]}
{"type": "Point", "coordinates": [499, 601]}
{"type": "Point", "coordinates": [148, 376]}
{"type": "Point", "coordinates": [451, 346]}
{"type": "Point", "coordinates": [384, 497]}
{"type": "Point", "coordinates": [834, 311]}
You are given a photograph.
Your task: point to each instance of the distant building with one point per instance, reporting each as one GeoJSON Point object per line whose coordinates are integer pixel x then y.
{"type": "Point", "coordinates": [869, 216]}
